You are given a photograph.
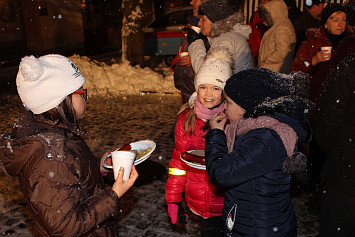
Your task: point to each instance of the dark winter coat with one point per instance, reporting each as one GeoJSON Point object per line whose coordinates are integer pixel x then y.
{"type": "Point", "coordinates": [184, 75]}
{"type": "Point", "coordinates": [257, 194]}
{"type": "Point", "coordinates": [334, 127]}
{"type": "Point", "coordinates": [201, 196]}
{"type": "Point", "coordinates": [317, 38]}
{"type": "Point", "coordinates": [294, 13]}
{"type": "Point", "coordinates": [59, 178]}
{"type": "Point", "coordinates": [302, 24]}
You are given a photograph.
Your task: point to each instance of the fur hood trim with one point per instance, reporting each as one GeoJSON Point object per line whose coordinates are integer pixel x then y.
{"type": "Point", "coordinates": [227, 24]}
{"type": "Point", "coordinates": [292, 105]}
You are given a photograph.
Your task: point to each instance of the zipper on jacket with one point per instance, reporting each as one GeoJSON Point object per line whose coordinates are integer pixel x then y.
{"type": "Point", "coordinates": [230, 221]}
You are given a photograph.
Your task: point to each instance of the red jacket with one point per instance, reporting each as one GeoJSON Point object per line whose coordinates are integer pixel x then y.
{"type": "Point", "coordinates": [317, 38]}
{"type": "Point", "coordinates": [258, 30]}
{"type": "Point", "coordinates": [201, 196]}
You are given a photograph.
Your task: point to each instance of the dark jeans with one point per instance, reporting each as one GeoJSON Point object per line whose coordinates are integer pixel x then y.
{"type": "Point", "coordinates": [211, 227]}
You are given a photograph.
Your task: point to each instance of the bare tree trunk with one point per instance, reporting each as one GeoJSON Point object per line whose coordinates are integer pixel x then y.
{"type": "Point", "coordinates": [132, 33]}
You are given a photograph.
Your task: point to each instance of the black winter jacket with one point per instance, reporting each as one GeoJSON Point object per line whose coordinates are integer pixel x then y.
{"type": "Point", "coordinates": [334, 127]}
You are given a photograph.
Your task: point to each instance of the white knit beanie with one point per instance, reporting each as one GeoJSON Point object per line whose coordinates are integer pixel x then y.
{"type": "Point", "coordinates": [216, 68]}
{"type": "Point", "coordinates": [44, 82]}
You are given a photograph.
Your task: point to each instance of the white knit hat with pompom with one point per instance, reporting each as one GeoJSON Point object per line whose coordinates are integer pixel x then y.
{"type": "Point", "coordinates": [44, 82]}
{"type": "Point", "coordinates": [216, 68]}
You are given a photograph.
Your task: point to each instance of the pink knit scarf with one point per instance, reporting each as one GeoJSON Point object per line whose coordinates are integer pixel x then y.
{"type": "Point", "coordinates": [242, 126]}
{"type": "Point", "coordinates": [205, 113]}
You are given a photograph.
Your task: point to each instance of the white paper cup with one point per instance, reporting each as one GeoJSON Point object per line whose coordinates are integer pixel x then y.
{"type": "Point", "coordinates": [327, 48]}
{"type": "Point", "coordinates": [197, 29]}
{"type": "Point", "coordinates": [183, 54]}
{"type": "Point", "coordinates": [123, 159]}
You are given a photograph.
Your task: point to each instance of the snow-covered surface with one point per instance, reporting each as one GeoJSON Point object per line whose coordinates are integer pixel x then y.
{"type": "Point", "coordinates": [111, 123]}
{"type": "Point", "coordinates": [123, 79]}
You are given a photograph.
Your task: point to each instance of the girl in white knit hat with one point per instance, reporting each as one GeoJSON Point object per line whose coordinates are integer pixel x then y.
{"type": "Point", "coordinates": [203, 198]}
{"type": "Point", "coordinates": [57, 173]}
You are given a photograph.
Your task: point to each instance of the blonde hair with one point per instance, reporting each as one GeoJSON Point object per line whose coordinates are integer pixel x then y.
{"type": "Point", "coordinates": [190, 120]}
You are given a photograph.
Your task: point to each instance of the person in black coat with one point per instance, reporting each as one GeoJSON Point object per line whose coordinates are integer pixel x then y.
{"type": "Point", "coordinates": [334, 128]}
{"type": "Point", "coordinates": [310, 18]}
{"type": "Point", "coordinates": [293, 11]}
{"type": "Point", "coordinates": [254, 159]}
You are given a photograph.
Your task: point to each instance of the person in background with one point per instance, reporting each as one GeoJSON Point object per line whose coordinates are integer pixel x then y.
{"type": "Point", "coordinates": [334, 32]}
{"type": "Point", "coordinates": [350, 8]}
{"type": "Point", "coordinates": [222, 21]}
{"type": "Point", "coordinates": [181, 66]}
{"type": "Point", "coordinates": [258, 28]}
{"type": "Point", "coordinates": [203, 198]}
{"type": "Point", "coordinates": [334, 129]}
{"type": "Point", "coordinates": [319, 63]}
{"type": "Point", "coordinates": [279, 41]}
{"type": "Point", "coordinates": [310, 18]}
{"type": "Point", "coordinates": [293, 11]}
{"type": "Point", "coordinates": [57, 173]}
{"type": "Point", "coordinates": [253, 160]}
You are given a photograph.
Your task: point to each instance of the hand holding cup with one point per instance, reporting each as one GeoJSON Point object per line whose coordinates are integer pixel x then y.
{"type": "Point", "coordinates": [326, 52]}
{"type": "Point", "coordinates": [120, 186]}
{"type": "Point", "coordinates": [123, 159]}
{"type": "Point", "coordinates": [322, 55]}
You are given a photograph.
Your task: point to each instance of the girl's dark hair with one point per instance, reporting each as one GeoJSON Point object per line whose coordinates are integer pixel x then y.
{"type": "Point", "coordinates": [64, 114]}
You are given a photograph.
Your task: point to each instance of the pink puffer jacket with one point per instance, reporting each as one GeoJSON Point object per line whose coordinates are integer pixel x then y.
{"type": "Point", "coordinates": [201, 196]}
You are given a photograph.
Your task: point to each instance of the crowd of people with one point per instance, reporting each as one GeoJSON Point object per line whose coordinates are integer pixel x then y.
{"type": "Point", "coordinates": [254, 96]}
{"type": "Point", "coordinates": [280, 62]}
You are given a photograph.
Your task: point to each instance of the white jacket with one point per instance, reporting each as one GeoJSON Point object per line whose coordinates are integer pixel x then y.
{"type": "Point", "coordinates": [234, 41]}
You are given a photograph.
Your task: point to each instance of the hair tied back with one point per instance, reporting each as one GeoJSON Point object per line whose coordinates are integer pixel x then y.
{"type": "Point", "coordinates": [31, 68]}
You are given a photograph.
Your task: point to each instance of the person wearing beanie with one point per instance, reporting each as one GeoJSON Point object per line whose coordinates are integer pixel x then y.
{"type": "Point", "coordinates": [201, 197]}
{"type": "Point", "coordinates": [310, 18]}
{"type": "Point", "coordinates": [310, 58]}
{"type": "Point", "coordinates": [254, 156]}
{"type": "Point", "coordinates": [278, 44]}
{"type": "Point", "coordinates": [57, 173]}
{"type": "Point", "coordinates": [222, 21]}
{"type": "Point", "coordinates": [334, 32]}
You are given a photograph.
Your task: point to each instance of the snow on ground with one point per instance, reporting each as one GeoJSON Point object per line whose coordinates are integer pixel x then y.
{"type": "Point", "coordinates": [122, 78]}
{"type": "Point", "coordinates": [115, 121]}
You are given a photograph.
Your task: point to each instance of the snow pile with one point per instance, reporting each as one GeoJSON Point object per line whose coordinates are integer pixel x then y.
{"type": "Point", "coordinates": [122, 78]}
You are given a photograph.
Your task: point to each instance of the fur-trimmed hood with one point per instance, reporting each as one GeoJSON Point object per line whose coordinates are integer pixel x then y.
{"type": "Point", "coordinates": [234, 22]}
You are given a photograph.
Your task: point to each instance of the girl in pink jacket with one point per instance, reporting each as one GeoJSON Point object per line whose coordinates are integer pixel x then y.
{"type": "Point", "coordinates": [203, 198]}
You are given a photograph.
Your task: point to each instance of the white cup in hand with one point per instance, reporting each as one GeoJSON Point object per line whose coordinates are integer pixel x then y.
{"type": "Point", "coordinates": [123, 159]}
{"type": "Point", "coordinates": [327, 49]}
{"type": "Point", "coordinates": [183, 54]}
